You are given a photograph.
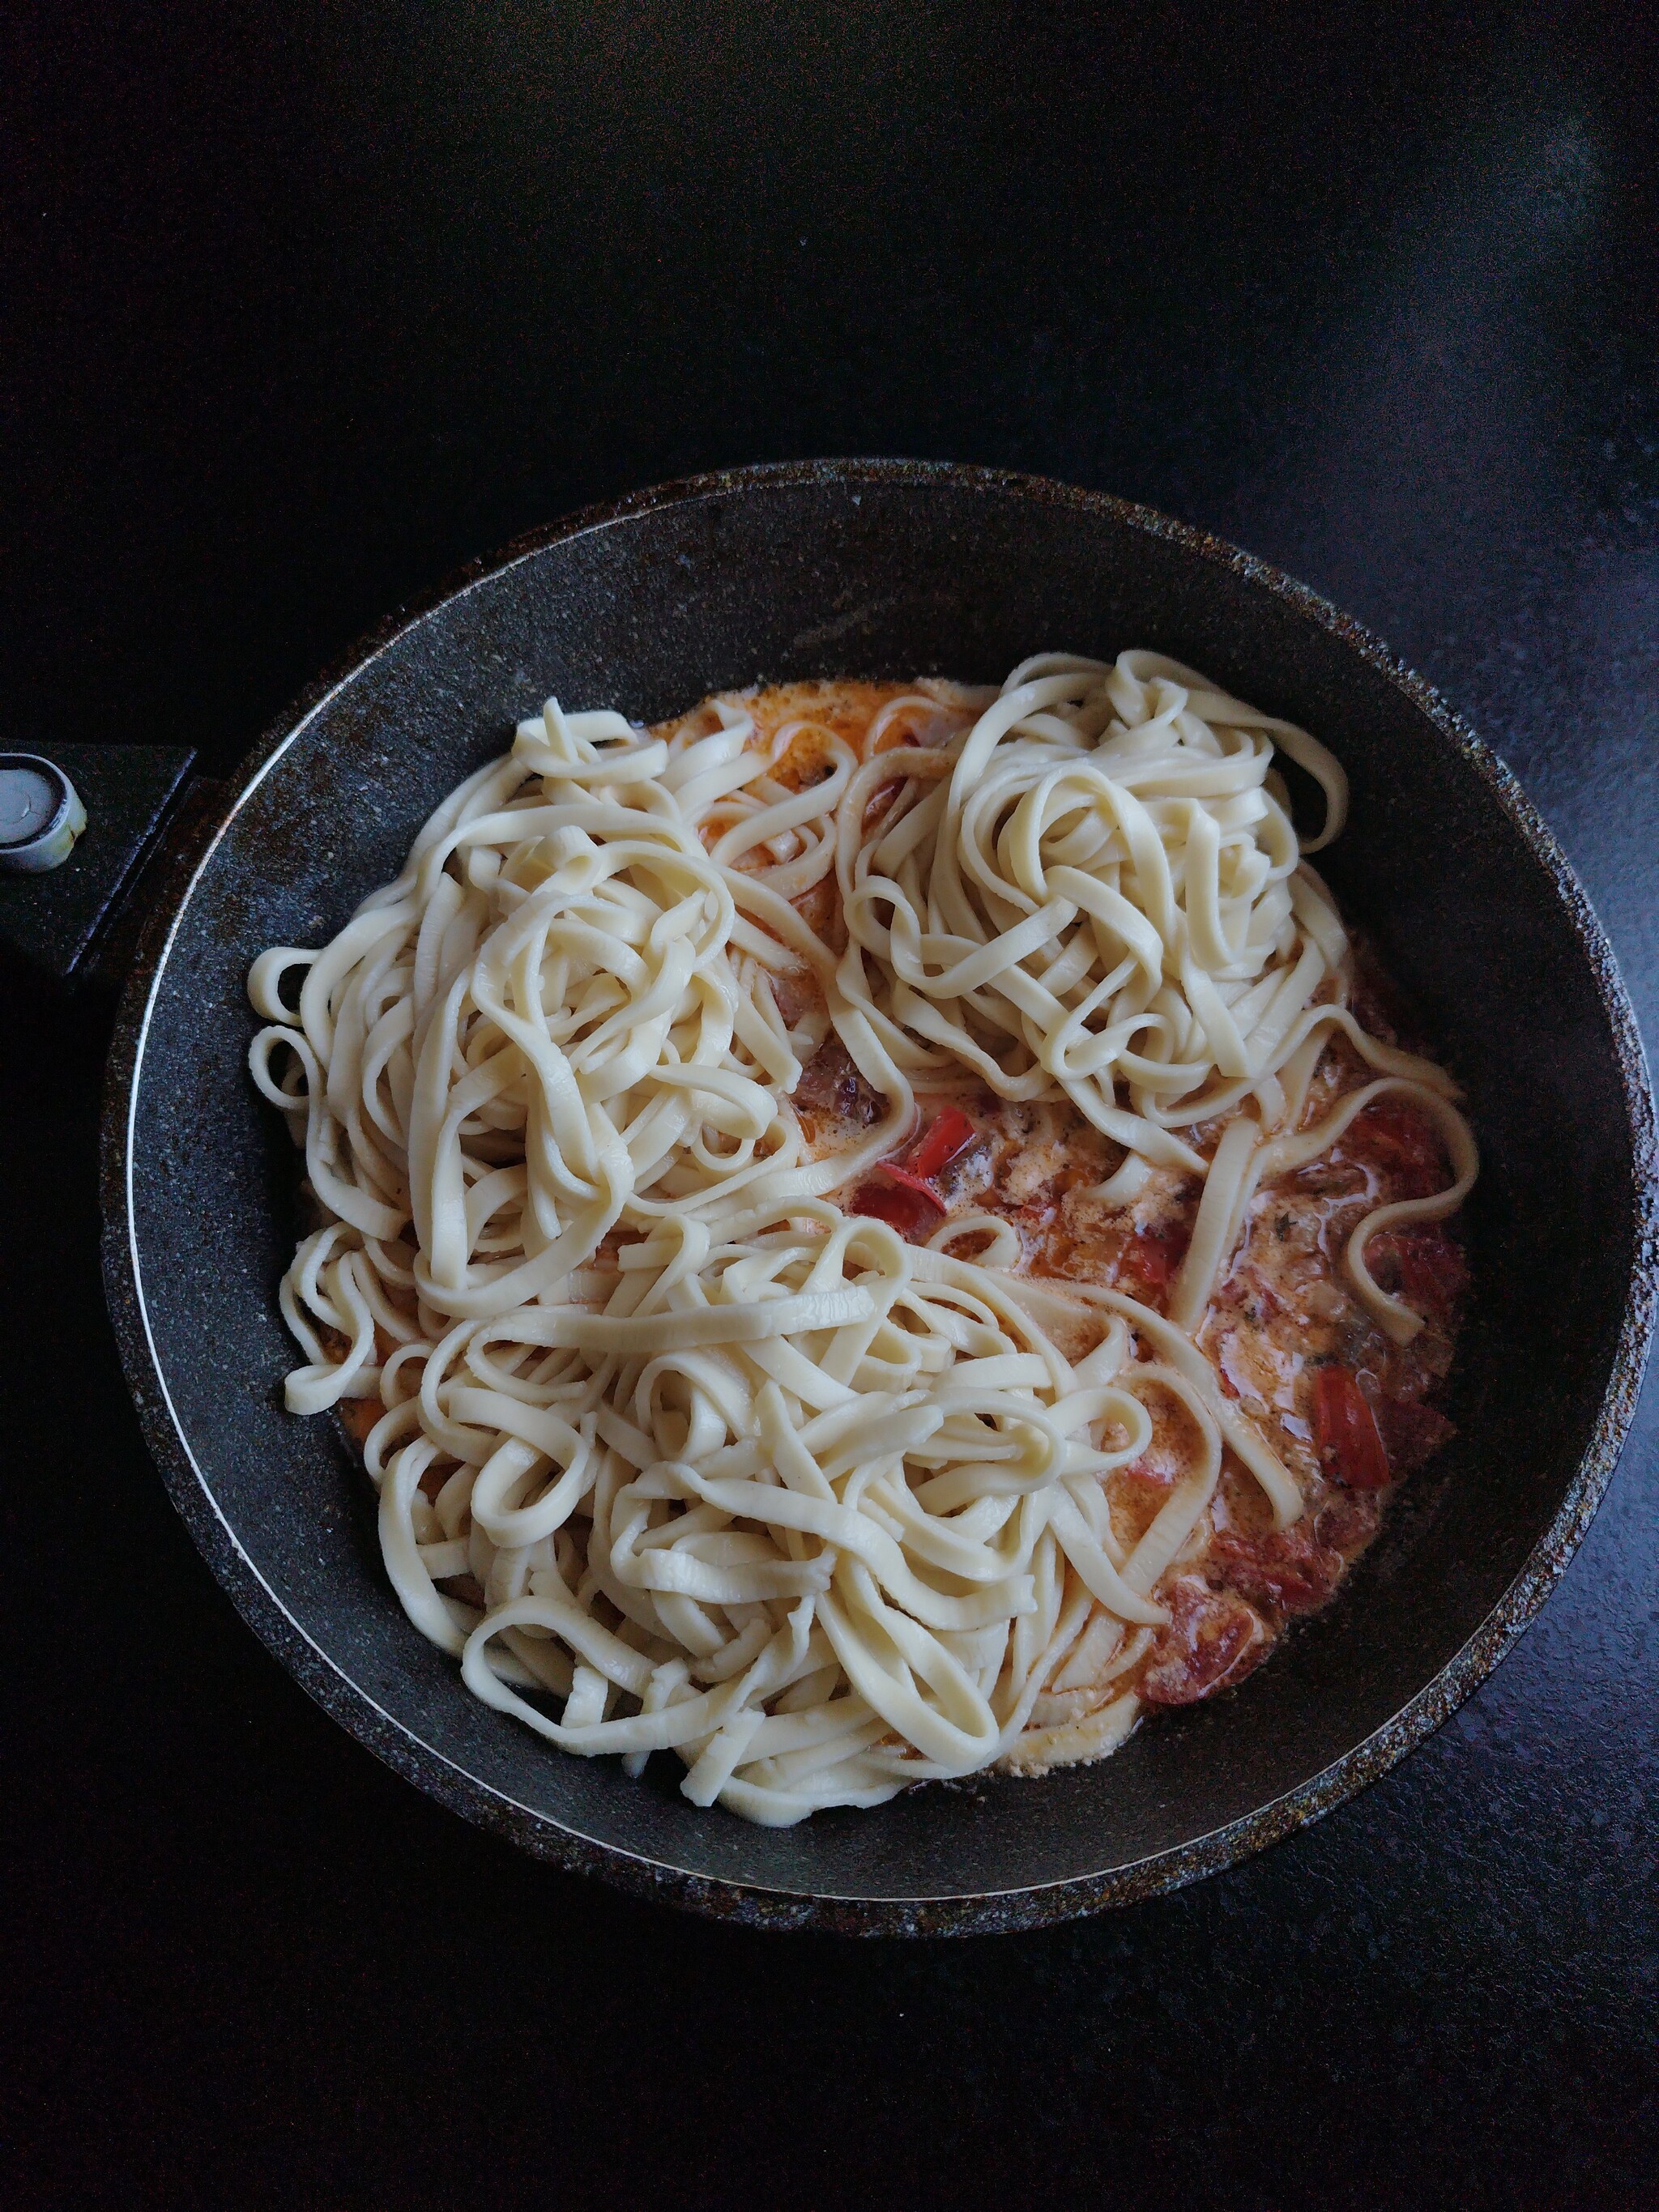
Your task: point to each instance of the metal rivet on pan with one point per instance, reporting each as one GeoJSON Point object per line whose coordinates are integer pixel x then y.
{"type": "Point", "coordinates": [41, 814]}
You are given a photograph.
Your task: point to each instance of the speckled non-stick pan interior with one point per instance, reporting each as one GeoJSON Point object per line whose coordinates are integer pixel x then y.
{"type": "Point", "coordinates": [893, 570]}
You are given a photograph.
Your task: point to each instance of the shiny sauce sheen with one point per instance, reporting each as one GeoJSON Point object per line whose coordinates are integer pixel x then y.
{"type": "Point", "coordinates": [1351, 1413]}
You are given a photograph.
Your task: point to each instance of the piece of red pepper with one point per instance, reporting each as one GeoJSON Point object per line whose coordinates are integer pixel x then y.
{"type": "Point", "coordinates": [901, 1192]}
{"type": "Point", "coordinates": [1406, 1143]}
{"type": "Point", "coordinates": [1433, 1273]}
{"type": "Point", "coordinates": [1345, 1429]}
{"type": "Point", "coordinates": [947, 1138]}
{"type": "Point", "coordinates": [911, 1207]}
{"type": "Point", "coordinates": [1154, 1257]}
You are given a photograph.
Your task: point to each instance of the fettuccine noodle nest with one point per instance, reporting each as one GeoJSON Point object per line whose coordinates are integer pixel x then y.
{"type": "Point", "coordinates": [674, 1453]}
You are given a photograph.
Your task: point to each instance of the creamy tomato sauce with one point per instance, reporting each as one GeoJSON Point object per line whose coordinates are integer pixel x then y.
{"type": "Point", "coordinates": [1351, 1413]}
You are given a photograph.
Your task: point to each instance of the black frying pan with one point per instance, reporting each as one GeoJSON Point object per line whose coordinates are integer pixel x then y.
{"type": "Point", "coordinates": [897, 569]}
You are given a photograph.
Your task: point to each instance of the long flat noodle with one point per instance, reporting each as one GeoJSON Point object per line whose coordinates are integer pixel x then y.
{"type": "Point", "coordinates": [1096, 1571]}
{"type": "Point", "coordinates": [1241, 1434]}
{"type": "Point", "coordinates": [1396, 1319]}
{"type": "Point", "coordinates": [1177, 1516]}
{"type": "Point", "coordinates": [706, 1325]}
{"type": "Point", "coordinates": [1211, 1240]}
{"type": "Point", "coordinates": [727, 1472]}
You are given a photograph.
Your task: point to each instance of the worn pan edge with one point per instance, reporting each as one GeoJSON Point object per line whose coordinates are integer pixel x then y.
{"type": "Point", "coordinates": [752, 1904]}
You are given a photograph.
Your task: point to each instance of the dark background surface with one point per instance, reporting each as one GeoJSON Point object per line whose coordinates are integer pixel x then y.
{"type": "Point", "coordinates": [305, 306]}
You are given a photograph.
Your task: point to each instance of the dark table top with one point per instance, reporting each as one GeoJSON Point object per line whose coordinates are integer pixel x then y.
{"type": "Point", "coordinates": [307, 305]}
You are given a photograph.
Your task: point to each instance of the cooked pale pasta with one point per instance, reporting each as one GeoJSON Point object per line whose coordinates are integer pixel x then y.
{"type": "Point", "coordinates": [681, 1445]}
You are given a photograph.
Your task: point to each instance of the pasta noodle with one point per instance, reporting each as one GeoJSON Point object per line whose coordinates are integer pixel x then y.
{"type": "Point", "coordinates": [668, 1440]}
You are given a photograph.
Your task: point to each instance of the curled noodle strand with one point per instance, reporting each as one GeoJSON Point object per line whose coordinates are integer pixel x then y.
{"type": "Point", "coordinates": [671, 1453]}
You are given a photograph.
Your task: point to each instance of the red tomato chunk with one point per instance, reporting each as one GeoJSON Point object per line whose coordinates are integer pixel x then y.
{"type": "Point", "coordinates": [1288, 1568]}
{"type": "Point", "coordinates": [1346, 1433]}
{"type": "Point", "coordinates": [1411, 1432]}
{"type": "Point", "coordinates": [903, 1203]}
{"type": "Point", "coordinates": [946, 1139]}
{"type": "Point", "coordinates": [1153, 1258]}
{"type": "Point", "coordinates": [1212, 1640]}
{"type": "Point", "coordinates": [1433, 1273]}
{"type": "Point", "coordinates": [901, 1192]}
{"type": "Point", "coordinates": [1405, 1143]}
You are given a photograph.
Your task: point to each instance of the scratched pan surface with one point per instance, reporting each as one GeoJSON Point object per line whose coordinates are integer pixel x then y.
{"type": "Point", "coordinates": [896, 570]}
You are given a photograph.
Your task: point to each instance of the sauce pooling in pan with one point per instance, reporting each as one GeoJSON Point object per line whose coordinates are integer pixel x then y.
{"type": "Point", "coordinates": [873, 1230]}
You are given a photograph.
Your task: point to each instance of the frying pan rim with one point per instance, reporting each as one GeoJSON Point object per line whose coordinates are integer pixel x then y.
{"type": "Point", "coordinates": [750, 1902]}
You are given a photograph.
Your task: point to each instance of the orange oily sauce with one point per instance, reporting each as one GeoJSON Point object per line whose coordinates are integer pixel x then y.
{"type": "Point", "coordinates": [1283, 1311]}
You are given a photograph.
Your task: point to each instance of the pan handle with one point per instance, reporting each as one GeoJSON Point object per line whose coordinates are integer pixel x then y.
{"type": "Point", "coordinates": [86, 838]}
